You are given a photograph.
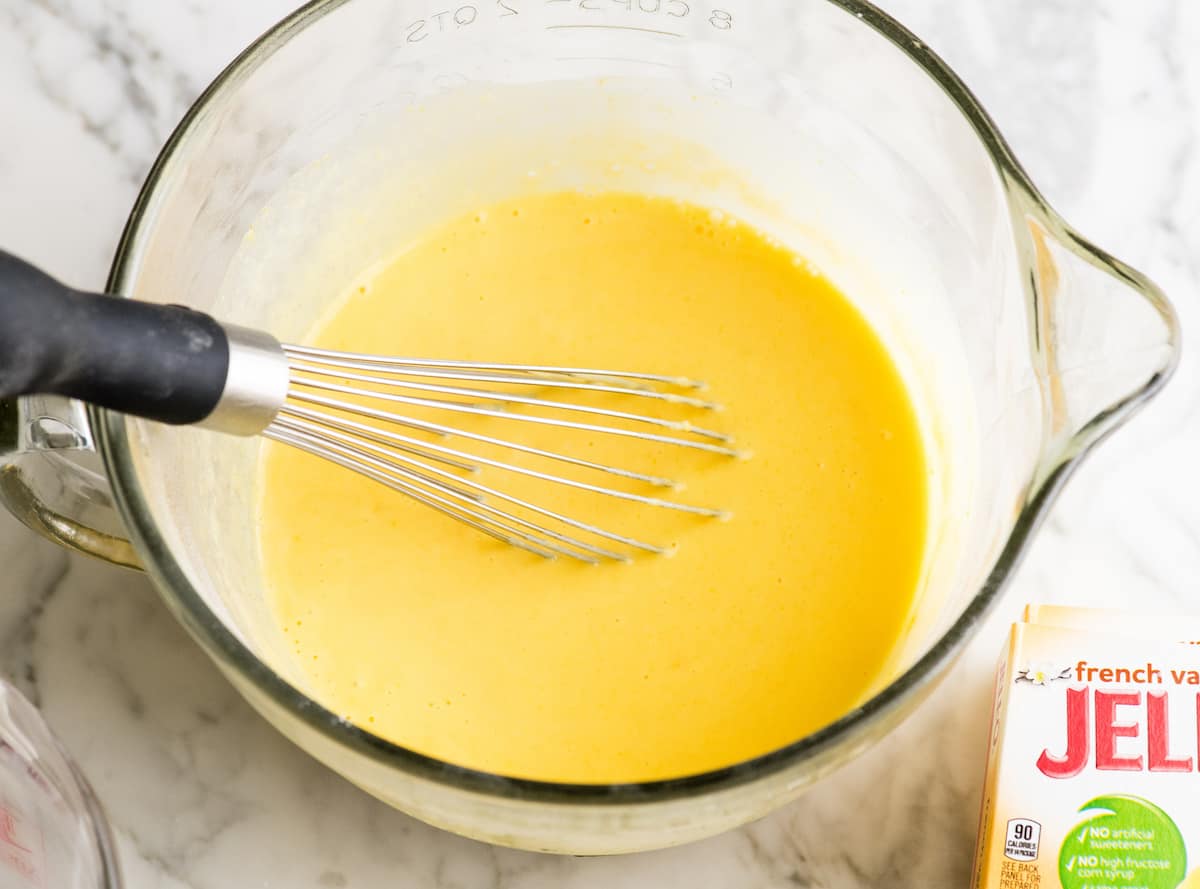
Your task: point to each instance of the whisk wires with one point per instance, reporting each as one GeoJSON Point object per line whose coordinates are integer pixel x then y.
{"type": "Point", "coordinates": [378, 417]}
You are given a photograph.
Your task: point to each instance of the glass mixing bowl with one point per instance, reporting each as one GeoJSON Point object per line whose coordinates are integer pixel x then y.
{"type": "Point", "coordinates": [355, 123]}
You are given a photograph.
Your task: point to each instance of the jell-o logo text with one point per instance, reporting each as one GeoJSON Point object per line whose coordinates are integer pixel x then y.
{"type": "Point", "coordinates": [1098, 721]}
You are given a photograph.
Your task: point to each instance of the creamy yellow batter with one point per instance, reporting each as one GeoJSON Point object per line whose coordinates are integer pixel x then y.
{"type": "Point", "coordinates": [757, 631]}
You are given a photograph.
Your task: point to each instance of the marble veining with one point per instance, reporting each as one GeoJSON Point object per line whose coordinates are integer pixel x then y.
{"type": "Point", "coordinates": [1101, 101]}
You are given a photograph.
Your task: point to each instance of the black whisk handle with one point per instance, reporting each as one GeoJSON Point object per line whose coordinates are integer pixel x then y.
{"type": "Point", "coordinates": [165, 363]}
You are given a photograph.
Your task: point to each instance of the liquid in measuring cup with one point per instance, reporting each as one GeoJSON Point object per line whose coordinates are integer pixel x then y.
{"type": "Point", "coordinates": [53, 833]}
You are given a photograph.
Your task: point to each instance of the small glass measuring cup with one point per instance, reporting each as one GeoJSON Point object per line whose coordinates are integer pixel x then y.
{"type": "Point", "coordinates": [53, 833]}
{"type": "Point", "coordinates": [823, 121]}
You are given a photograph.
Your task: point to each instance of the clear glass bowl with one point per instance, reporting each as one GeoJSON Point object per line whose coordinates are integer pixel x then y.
{"type": "Point", "coordinates": [53, 832]}
{"type": "Point", "coordinates": [355, 122]}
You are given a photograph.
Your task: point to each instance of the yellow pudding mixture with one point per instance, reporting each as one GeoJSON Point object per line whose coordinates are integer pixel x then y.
{"type": "Point", "coordinates": [755, 632]}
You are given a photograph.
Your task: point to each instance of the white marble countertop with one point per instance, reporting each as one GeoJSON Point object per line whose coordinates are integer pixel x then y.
{"type": "Point", "coordinates": [1100, 99]}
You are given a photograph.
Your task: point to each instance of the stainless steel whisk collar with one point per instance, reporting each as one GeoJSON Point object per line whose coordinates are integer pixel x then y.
{"type": "Point", "coordinates": [256, 385]}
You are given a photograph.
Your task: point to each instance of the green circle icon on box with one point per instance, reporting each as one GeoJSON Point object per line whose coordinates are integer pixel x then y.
{"type": "Point", "coordinates": [1128, 841]}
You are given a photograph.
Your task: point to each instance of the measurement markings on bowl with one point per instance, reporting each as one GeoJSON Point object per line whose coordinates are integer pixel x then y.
{"type": "Point", "coordinates": [644, 10]}
{"type": "Point", "coordinates": [613, 28]}
{"type": "Point", "coordinates": [639, 16]}
{"type": "Point", "coordinates": [456, 19]}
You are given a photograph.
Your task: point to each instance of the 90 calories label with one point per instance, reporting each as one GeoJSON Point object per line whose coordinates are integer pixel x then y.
{"type": "Point", "coordinates": [1022, 843]}
{"type": "Point", "coordinates": [1023, 840]}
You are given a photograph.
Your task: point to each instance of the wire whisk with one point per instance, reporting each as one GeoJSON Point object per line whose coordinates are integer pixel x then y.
{"type": "Point", "coordinates": [415, 425]}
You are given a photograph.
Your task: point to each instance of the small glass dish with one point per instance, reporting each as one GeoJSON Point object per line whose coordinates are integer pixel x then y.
{"type": "Point", "coordinates": [53, 832]}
